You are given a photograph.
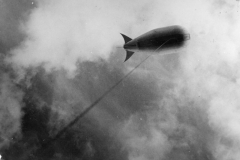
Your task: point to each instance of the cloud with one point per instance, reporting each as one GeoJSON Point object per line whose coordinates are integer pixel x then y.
{"type": "Point", "coordinates": [11, 114]}
{"type": "Point", "coordinates": [61, 33]}
{"type": "Point", "coordinates": [183, 105]}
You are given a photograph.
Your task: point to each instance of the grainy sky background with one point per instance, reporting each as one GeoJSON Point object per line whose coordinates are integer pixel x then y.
{"type": "Point", "coordinates": [58, 56]}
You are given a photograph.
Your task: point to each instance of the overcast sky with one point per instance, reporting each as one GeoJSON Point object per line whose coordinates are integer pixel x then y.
{"type": "Point", "coordinates": [59, 56]}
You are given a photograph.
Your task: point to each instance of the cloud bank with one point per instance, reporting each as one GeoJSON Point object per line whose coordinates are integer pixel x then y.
{"type": "Point", "coordinates": [179, 106]}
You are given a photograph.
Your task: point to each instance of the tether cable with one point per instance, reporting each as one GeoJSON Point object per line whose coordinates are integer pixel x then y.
{"type": "Point", "coordinates": [82, 114]}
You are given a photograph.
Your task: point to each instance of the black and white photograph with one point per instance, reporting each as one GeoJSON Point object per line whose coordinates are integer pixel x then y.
{"type": "Point", "coordinates": [119, 80]}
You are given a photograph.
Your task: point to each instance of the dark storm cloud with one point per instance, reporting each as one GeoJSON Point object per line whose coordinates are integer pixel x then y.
{"type": "Point", "coordinates": [12, 14]}
{"type": "Point", "coordinates": [96, 134]}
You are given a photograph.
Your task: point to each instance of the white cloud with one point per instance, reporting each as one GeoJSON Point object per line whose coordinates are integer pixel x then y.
{"type": "Point", "coordinates": [61, 33]}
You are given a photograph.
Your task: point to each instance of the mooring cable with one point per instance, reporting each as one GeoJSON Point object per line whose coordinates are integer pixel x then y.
{"type": "Point", "coordinates": [87, 109]}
